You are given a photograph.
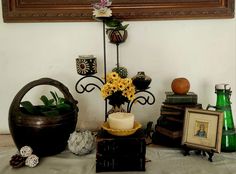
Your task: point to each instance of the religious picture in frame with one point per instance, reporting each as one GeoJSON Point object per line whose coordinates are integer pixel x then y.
{"type": "Point", "coordinates": [203, 129]}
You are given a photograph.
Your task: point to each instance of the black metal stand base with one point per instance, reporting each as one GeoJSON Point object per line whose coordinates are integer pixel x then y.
{"type": "Point", "coordinates": [203, 153]}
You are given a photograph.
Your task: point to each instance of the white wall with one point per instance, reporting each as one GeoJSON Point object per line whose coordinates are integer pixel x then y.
{"type": "Point", "coordinates": [201, 50]}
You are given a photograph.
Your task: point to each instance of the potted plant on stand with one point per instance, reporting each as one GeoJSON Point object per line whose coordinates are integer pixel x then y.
{"type": "Point", "coordinates": [117, 91]}
{"type": "Point", "coordinates": [116, 32]}
{"type": "Point", "coordinates": [45, 128]}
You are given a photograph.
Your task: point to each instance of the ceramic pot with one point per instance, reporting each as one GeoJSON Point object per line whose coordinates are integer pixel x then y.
{"type": "Point", "coordinates": [117, 36]}
{"type": "Point", "coordinates": [141, 81]}
{"type": "Point", "coordinates": [46, 135]}
{"type": "Point", "coordinates": [86, 65]}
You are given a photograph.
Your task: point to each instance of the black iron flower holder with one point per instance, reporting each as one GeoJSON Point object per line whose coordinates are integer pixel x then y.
{"type": "Point", "coordinates": [89, 87]}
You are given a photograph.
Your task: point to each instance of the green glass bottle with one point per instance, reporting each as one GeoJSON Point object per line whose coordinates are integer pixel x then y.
{"type": "Point", "coordinates": [223, 104]}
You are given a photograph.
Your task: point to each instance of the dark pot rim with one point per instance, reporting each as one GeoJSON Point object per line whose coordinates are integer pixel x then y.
{"type": "Point", "coordinates": [21, 118]}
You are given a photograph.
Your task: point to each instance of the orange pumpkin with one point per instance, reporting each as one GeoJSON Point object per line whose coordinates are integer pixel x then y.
{"type": "Point", "coordinates": [180, 86]}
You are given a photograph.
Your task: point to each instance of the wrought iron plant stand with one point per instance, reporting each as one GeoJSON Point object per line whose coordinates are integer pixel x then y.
{"type": "Point", "coordinates": [143, 97]}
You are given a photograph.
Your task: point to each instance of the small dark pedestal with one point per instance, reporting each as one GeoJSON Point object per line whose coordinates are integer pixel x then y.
{"type": "Point", "coordinates": [120, 153]}
{"type": "Point", "coordinates": [210, 153]}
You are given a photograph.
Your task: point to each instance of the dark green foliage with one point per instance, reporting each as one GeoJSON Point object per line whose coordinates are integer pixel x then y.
{"type": "Point", "coordinates": [122, 71]}
{"type": "Point", "coordinates": [115, 24]}
{"type": "Point", "coordinates": [29, 107]}
{"type": "Point", "coordinates": [52, 107]}
{"type": "Point", "coordinates": [117, 99]}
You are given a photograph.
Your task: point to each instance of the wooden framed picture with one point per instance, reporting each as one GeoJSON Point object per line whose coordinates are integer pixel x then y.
{"type": "Point", "coordinates": [203, 129]}
{"type": "Point", "coordinates": [81, 10]}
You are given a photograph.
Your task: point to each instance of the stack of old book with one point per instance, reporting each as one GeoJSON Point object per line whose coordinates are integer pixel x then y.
{"type": "Point", "coordinates": [169, 127]}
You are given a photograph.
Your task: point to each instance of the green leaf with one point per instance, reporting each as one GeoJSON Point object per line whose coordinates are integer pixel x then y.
{"type": "Point", "coordinates": [61, 100]}
{"type": "Point", "coordinates": [29, 107]}
{"type": "Point", "coordinates": [54, 95]}
{"type": "Point", "coordinates": [50, 102]}
{"type": "Point", "coordinates": [113, 23]}
{"type": "Point", "coordinates": [122, 27]}
{"type": "Point", "coordinates": [125, 26]}
{"type": "Point", "coordinates": [49, 108]}
{"type": "Point", "coordinates": [45, 100]}
{"type": "Point", "coordinates": [64, 107]}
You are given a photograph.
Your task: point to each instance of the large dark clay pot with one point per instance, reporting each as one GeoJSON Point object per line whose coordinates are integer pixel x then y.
{"type": "Point", "coordinates": [47, 135]}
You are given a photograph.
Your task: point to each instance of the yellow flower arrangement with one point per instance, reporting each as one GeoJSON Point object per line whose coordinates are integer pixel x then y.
{"type": "Point", "coordinates": [118, 90]}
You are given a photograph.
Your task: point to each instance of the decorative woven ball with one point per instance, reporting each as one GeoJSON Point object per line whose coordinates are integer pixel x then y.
{"type": "Point", "coordinates": [32, 161]}
{"type": "Point", "coordinates": [26, 151]}
{"type": "Point", "coordinates": [122, 71]}
{"type": "Point", "coordinates": [81, 143]}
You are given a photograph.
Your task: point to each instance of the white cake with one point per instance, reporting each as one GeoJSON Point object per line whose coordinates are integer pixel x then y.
{"type": "Point", "coordinates": [121, 120]}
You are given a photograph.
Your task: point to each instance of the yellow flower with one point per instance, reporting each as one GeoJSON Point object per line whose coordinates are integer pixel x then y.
{"type": "Point", "coordinates": [127, 81]}
{"type": "Point", "coordinates": [114, 76]}
{"type": "Point", "coordinates": [108, 93]}
{"type": "Point", "coordinates": [104, 95]}
{"type": "Point", "coordinates": [114, 87]}
{"type": "Point", "coordinates": [105, 88]}
{"type": "Point", "coordinates": [131, 96]}
{"type": "Point", "coordinates": [119, 80]}
{"type": "Point", "coordinates": [128, 87]}
{"type": "Point", "coordinates": [104, 92]}
{"type": "Point", "coordinates": [132, 87]}
{"type": "Point", "coordinates": [115, 83]}
{"type": "Point", "coordinates": [109, 85]}
{"type": "Point", "coordinates": [125, 93]}
{"type": "Point", "coordinates": [108, 78]}
{"type": "Point", "coordinates": [121, 86]}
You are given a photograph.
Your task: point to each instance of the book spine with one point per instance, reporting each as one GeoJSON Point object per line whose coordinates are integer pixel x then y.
{"type": "Point", "coordinates": [178, 120]}
{"type": "Point", "coordinates": [120, 164]}
{"type": "Point", "coordinates": [181, 99]}
{"type": "Point", "coordinates": [169, 133]}
{"type": "Point", "coordinates": [116, 147]}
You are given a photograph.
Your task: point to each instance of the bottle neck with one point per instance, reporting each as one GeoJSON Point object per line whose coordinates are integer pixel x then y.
{"type": "Point", "coordinates": [223, 98]}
